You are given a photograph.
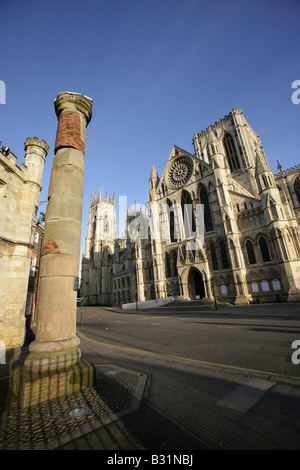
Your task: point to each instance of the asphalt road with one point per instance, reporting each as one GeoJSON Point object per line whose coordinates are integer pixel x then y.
{"type": "Point", "coordinates": [260, 340]}
{"type": "Point", "coordinates": [215, 380]}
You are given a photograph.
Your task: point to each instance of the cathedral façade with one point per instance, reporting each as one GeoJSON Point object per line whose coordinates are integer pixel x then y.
{"type": "Point", "coordinates": [248, 246]}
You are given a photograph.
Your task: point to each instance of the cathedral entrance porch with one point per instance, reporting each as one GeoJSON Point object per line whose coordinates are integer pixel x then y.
{"type": "Point", "coordinates": [196, 285]}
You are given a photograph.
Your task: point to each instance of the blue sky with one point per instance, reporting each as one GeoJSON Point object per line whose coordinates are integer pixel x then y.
{"type": "Point", "coordinates": [158, 72]}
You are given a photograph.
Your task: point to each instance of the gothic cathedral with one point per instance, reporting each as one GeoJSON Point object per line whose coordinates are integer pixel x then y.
{"type": "Point", "coordinates": [219, 225]}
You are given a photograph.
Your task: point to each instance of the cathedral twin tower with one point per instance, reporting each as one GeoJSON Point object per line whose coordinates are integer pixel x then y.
{"type": "Point", "coordinates": [238, 241]}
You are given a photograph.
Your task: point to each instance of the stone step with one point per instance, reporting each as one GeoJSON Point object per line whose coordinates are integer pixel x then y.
{"type": "Point", "coordinates": [195, 305]}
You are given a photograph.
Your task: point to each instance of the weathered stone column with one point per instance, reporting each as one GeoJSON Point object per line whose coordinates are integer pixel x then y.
{"type": "Point", "coordinates": [55, 349]}
{"type": "Point", "coordinates": [56, 343]}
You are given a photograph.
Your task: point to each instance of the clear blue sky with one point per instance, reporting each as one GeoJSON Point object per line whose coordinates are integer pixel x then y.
{"type": "Point", "coordinates": [158, 71]}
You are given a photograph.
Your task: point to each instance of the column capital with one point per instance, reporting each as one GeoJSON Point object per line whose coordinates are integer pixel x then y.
{"type": "Point", "coordinates": [74, 102]}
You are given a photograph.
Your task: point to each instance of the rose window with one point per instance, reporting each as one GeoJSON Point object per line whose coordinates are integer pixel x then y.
{"type": "Point", "coordinates": [180, 172]}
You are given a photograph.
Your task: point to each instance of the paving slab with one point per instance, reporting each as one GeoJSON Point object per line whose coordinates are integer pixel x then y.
{"type": "Point", "coordinates": [247, 395]}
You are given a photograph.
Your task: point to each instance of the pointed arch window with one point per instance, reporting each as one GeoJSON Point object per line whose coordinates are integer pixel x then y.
{"type": "Point", "coordinates": [155, 269]}
{"type": "Point", "coordinates": [263, 245]}
{"type": "Point", "coordinates": [172, 221]}
{"type": "Point", "coordinates": [265, 181]}
{"type": "Point", "coordinates": [168, 266]}
{"type": "Point", "coordinates": [224, 255]}
{"type": "Point", "coordinates": [214, 258]}
{"type": "Point", "coordinates": [208, 222]}
{"type": "Point", "coordinates": [250, 252]}
{"type": "Point", "coordinates": [175, 263]}
{"type": "Point", "coordinates": [188, 214]}
{"type": "Point", "coordinates": [231, 153]}
{"type": "Point", "coordinates": [94, 227]}
{"type": "Point", "coordinates": [150, 271]}
{"type": "Point", "coordinates": [297, 188]}
{"type": "Point", "coordinates": [92, 254]}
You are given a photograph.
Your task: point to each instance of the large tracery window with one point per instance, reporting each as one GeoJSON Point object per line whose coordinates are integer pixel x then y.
{"type": "Point", "coordinates": [231, 153]}
{"type": "Point", "coordinates": [297, 188]}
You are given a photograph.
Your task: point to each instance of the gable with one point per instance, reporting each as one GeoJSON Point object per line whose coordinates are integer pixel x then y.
{"type": "Point", "coordinates": [180, 168]}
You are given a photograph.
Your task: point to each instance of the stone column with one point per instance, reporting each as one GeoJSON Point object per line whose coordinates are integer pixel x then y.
{"type": "Point", "coordinates": [54, 353]}
{"type": "Point", "coordinates": [56, 343]}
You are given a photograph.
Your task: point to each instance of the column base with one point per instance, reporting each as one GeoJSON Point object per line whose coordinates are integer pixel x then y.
{"type": "Point", "coordinates": [242, 300]}
{"type": "Point", "coordinates": [293, 297]}
{"type": "Point", "coordinates": [51, 370]}
{"type": "Point", "coordinates": [48, 356]}
{"type": "Point", "coordinates": [32, 388]}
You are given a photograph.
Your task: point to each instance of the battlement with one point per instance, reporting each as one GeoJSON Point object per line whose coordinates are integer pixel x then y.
{"type": "Point", "coordinates": [286, 172]}
{"type": "Point", "coordinates": [136, 209]}
{"type": "Point", "coordinates": [7, 152]}
{"type": "Point", "coordinates": [218, 123]}
{"type": "Point", "coordinates": [9, 160]}
{"type": "Point", "coordinates": [97, 199]}
{"type": "Point", "coordinates": [36, 142]}
{"type": "Point", "coordinates": [32, 168]}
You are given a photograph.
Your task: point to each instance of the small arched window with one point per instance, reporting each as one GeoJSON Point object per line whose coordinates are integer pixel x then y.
{"type": "Point", "coordinates": [265, 181]}
{"type": "Point", "coordinates": [264, 249]}
{"type": "Point", "coordinates": [250, 252]}
{"type": "Point", "coordinates": [231, 153]}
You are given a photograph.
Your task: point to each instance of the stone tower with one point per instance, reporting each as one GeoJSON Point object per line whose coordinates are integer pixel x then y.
{"type": "Point", "coordinates": [20, 188]}
{"type": "Point", "coordinates": [99, 249]}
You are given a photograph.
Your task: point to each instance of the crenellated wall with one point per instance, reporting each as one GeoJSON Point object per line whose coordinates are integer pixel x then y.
{"type": "Point", "coordinates": [20, 188]}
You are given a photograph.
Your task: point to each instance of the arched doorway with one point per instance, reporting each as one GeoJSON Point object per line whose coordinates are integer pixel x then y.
{"type": "Point", "coordinates": [196, 285]}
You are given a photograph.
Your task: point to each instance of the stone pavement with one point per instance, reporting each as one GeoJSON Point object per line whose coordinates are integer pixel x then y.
{"type": "Point", "coordinates": [117, 392]}
{"type": "Point", "coordinates": [145, 402]}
